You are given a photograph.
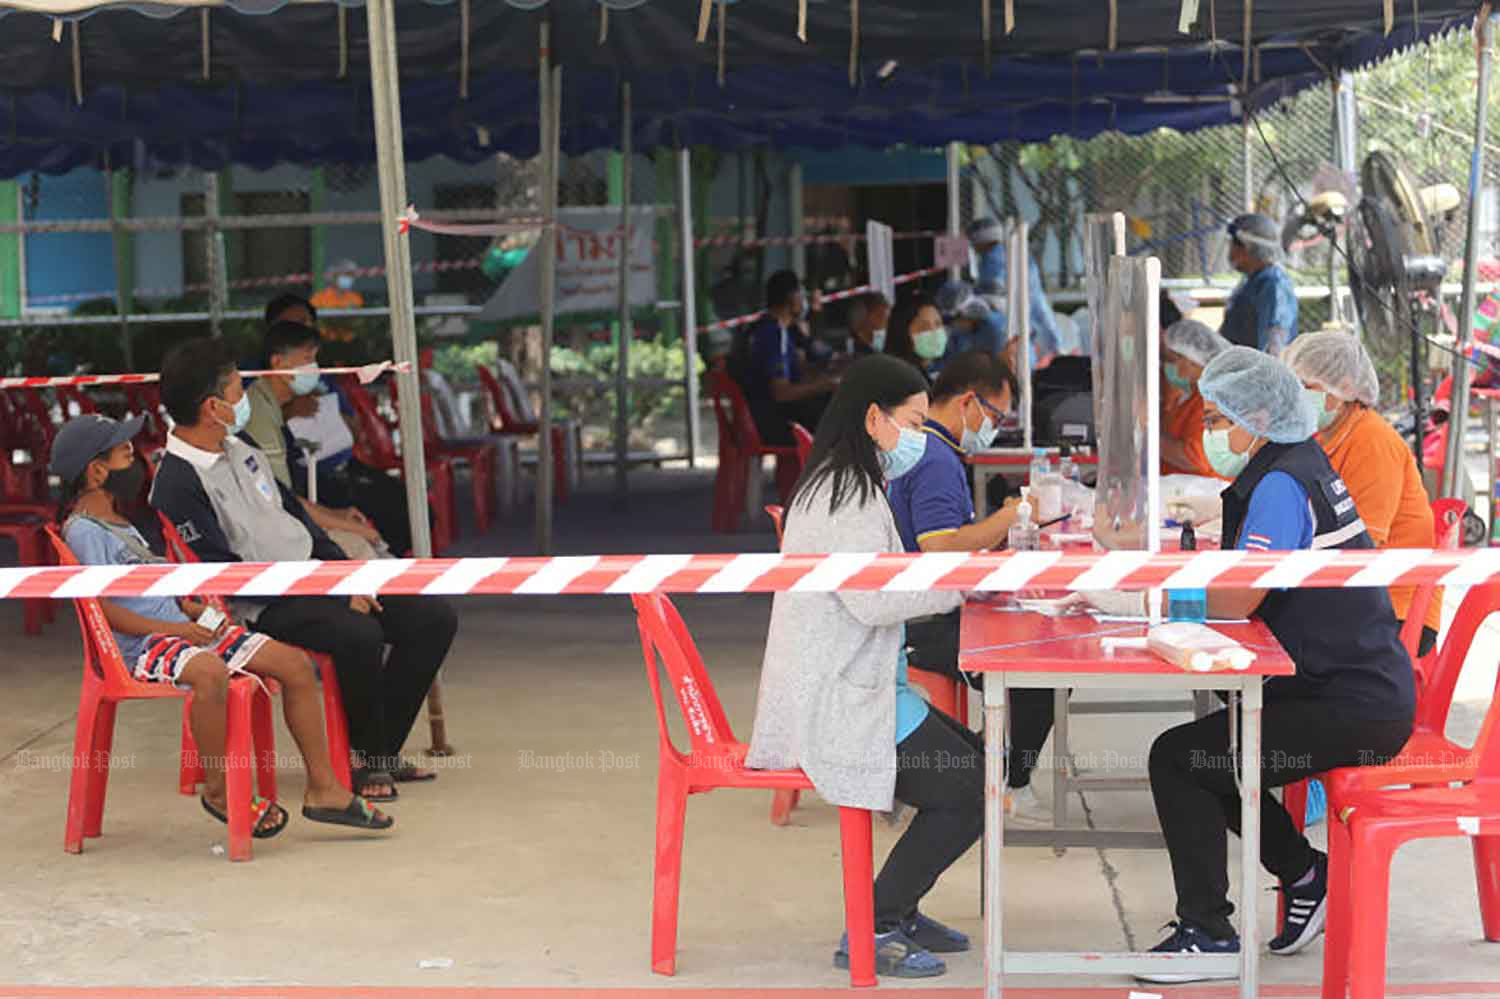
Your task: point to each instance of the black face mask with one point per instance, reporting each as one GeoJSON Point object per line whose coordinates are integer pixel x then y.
{"type": "Point", "coordinates": [124, 484]}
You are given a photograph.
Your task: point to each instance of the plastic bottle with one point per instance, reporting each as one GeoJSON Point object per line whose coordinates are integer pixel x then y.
{"type": "Point", "coordinates": [1046, 487]}
{"type": "Point", "coordinates": [1066, 469]}
{"type": "Point", "coordinates": [1024, 536]}
{"type": "Point", "coordinates": [1188, 604]}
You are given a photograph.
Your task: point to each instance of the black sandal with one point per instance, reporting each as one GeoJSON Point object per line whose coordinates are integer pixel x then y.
{"type": "Point", "coordinates": [259, 808]}
{"type": "Point", "coordinates": [358, 813]}
{"type": "Point", "coordinates": [365, 778]}
{"type": "Point", "coordinates": [409, 773]}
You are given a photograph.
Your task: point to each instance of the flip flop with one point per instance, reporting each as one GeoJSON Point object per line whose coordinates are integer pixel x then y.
{"type": "Point", "coordinates": [359, 814]}
{"type": "Point", "coordinates": [258, 808]}
{"type": "Point", "coordinates": [410, 773]}
{"type": "Point", "coordinates": [362, 778]}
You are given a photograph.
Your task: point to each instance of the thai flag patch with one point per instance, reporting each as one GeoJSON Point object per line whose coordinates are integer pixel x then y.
{"type": "Point", "coordinates": [1258, 541]}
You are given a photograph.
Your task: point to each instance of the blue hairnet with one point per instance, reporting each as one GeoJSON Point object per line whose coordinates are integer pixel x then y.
{"type": "Point", "coordinates": [1194, 341]}
{"type": "Point", "coordinates": [1260, 394]}
{"type": "Point", "coordinates": [1336, 362]}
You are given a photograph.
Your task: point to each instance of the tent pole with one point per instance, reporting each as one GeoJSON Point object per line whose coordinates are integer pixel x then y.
{"type": "Point", "coordinates": [796, 225]}
{"type": "Point", "coordinates": [212, 253]}
{"type": "Point", "coordinates": [955, 222]}
{"type": "Point", "coordinates": [1458, 416]}
{"type": "Point", "coordinates": [390, 162]}
{"type": "Point", "coordinates": [1247, 159]}
{"type": "Point", "coordinates": [624, 328]}
{"type": "Point", "coordinates": [689, 298]}
{"type": "Point", "coordinates": [550, 86]}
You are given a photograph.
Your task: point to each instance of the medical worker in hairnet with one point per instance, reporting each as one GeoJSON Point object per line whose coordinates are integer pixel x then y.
{"type": "Point", "coordinates": [975, 322]}
{"type": "Point", "coordinates": [1369, 455]}
{"type": "Point", "coordinates": [1350, 701]}
{"type": "Point", "coordinates": [1262, 310]}
{"type": "Point", "coordinates": [987, 237]}
{"type": "Point", "coordinates": [1186, 347]}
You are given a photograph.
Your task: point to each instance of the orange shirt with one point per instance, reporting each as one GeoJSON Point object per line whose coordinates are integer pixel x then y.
{"type": "Point", "coordinates": [1183, 421]}
{"type": "Point", "coordinates": [333, 297]}
{"type": "Point", "coordinates": [1382, 476]}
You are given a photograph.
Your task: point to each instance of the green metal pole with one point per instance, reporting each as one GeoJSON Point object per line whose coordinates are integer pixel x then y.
{"type": "Point", "coordinates": [10, 251]}
{"type": "Point", "coordinates": [666, 249]}
{"type": "Point", "coordinates": [317, 201]}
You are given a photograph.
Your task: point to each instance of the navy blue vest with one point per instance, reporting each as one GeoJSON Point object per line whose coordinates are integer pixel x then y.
{"type": "Point", "coordinates": [1345, 641]}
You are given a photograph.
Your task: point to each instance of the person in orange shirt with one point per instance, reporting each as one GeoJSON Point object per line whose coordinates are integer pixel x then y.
{"type": "Point", "coordinates": [1369, 455]}
{"type": "Point", "coordinates": [339, 295]}
{"type": "Point", "coordinates": [1186, 347]}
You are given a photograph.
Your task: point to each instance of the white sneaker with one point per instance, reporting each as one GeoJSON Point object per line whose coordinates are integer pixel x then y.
{"type": "Point", "coordinates": [1024, 806]}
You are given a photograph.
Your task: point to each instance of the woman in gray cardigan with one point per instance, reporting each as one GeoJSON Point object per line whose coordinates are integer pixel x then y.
{"type": "Point", "coordinates": [833, 694]}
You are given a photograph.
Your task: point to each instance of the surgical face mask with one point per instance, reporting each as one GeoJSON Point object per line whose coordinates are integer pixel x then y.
{"type": "Point", "coordinates": [1224, 459]}
{"type": "Point", "coordinates": [345, 281]}
{"type": "Point", "coordinates": [1175, 377]}
{"type": "Point", "coordinates": [978, 440]}
{"type": "Point", "coordinates": [241, 414]}
{"type": "Point", "coordinates": [305, 381]}
{"type": "Point", "coordinates": [930, 344]}
{"type": "Point", "coordinates": [1318, 400]}
{"type": "Point", "coordinates": [877, 340]}
{"type": "Point", "coordinates": [904, 456]}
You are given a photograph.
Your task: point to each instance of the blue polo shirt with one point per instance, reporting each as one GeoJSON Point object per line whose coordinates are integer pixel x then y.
{"type": "Point", "coordinates": [1262, 311]}
{"type": "Point", "coordinates": [769, 351]}
{"type": "Point", "coordinates": [933, 498]}
{"type": "Point", "coordinates": [1278, 518]}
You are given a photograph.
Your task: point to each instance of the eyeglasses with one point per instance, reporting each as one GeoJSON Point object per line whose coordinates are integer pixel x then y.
{"type": "Point", "coordinates": [995, 411]}
{"type": "Point", "coordinates": [1213, 421]}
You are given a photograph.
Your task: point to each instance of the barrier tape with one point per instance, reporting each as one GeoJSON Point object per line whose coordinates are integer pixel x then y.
{"type": "Point", "coordinates": [759, 241]}
{"type": "Point", "coordinates": [768, 572]}
{"type": "Point", "coordinates": [727, 324]}
{"type": "Point", "coordinates": [412, 220]}
{"type": "Point", "coordinates": [366, 373]}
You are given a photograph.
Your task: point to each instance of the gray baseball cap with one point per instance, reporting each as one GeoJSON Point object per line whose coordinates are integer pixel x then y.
{"type": "Point", "coordinates": [82, 440]}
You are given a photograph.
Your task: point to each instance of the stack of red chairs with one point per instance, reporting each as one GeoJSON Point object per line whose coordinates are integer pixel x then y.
{"type": "Point", "coordinates": [106, 682]}
{"type": "Point", "coordinates": [740, 453]}
{"type": "Point", "coordinates": [376, 448]}
{"type": "Point", "coordinates": [25, 506]}
{"type": "Point", "coordinates": [717, 760]}
{"type": "Point", "coordinates": [508, 420]}
{"type": "Point", "coordinates": [479, 456]}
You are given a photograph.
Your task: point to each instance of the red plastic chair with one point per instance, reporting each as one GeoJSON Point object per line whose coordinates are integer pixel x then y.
{"type": "Point", "coordinates": [740, 451]}
{"type": "Point", "coordinates": [480, 458]}
{"type": "Point", "coordinates": [717, 760]}
{"type": "Point", "coordinates": [1368, 822]}
{"type": "Point", "coordinates": [30, 541]}
{"type": "Point", "coordinates": [106, 682]}
{"type": "Point", "coordinates": [335, 722]}
{"type": "Point", "coordinates": [507, 420]}
{"type": "Point", "coordinates": [375, 447]}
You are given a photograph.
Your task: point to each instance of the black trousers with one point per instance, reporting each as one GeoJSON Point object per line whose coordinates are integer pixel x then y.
{"type": "Point", "coordinates": [934, 647]}
{"type": "Point", "coordinates": [382, 498]}
{"type": "Point", "coordinates": [382, 693]}
{"type": "Point", "coordinates": [1192, 780]}
{"type": "Point", "coordinates": [940, 773]}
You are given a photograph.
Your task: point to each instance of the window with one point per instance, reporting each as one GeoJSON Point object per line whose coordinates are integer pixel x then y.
{"type": "Point", "coordinates": [251, 253]}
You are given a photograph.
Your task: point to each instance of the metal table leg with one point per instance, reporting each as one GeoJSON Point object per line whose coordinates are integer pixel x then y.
{"type": "Point", "coordinates": [1062, 754]}
{"type": "Point", "coordinates": [1250, 754]}
{"type": "Point", "coordinates": [994, 835]}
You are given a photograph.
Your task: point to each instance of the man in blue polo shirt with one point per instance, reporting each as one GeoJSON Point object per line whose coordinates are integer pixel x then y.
{"type": "Point", "coordinates": [935, 513]}
{"type": "Point", "coordinates": [765, 363]}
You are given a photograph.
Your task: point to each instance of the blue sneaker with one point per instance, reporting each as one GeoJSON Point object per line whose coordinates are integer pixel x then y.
{"type": "Point", "coordinates": [896, 956]}
{"type": "Point", "coordinates": [932, 935]}
{"type": "Point", "coordinates": [1189, 939]}
{"type": "Point", "coordinates": [1317, 804]}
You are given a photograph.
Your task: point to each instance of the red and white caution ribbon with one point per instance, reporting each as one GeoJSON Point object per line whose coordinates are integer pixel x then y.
{"type": "Point", "coordinates": [366, 373]}
{"type": "Point", "coordinates": [729, 324]}
{"type": "Point", "coordinates": [767, 573]}
{"type": "Point", "coordinates": [411, 220]}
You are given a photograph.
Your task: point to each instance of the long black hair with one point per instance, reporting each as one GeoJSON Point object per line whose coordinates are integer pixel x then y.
{"type": "Point", "coordinates": [843, 451]}
{"type": "Point", "coordinates": [898, 338]}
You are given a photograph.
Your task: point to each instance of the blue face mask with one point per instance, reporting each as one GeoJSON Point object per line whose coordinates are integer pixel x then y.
{"type": "Point", "coordinates": [241, 414]}
{"type": "Point", "coordinates": [929, 345]}
{"type": "Point", "coordinates": [877, 340]}
{"type": "Point", "coordinates": [904, 456]}
{"type": "Point", "coordinates": [1221, 457]}
{"type": "Point", "coordinates": [978, 440]}
{"type": "Point", "coordinates": [305, 381]}
{"type": "Point", "coordinates": [1178, 382]}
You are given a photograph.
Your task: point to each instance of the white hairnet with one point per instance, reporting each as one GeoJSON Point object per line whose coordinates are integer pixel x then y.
{"type": "Point", "coordinates": [957, 298]}
{"type": "Point", "coordinates": [985, 230]}
{"type": "Point", "coordinates": [1335, 362]}
{"type": "Point", "coordinates": [1258, 393]}
{"type": "Point", "coordinates": [1194, 341]}
{"type": "Point", "coordinates": [1258, 234]}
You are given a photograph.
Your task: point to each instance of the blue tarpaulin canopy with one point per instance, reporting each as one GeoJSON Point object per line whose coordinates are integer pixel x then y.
{"type": "Point", "coordinates": [163, 84]}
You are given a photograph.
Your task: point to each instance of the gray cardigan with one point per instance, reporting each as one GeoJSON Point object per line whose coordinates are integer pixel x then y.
{"type": "Point", "coordinates": [827, 698]}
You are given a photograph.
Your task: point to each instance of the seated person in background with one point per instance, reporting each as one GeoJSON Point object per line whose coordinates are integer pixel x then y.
{"type": "Point", "coordinates": [161, 643]}
{"type": "Point", "coordinates": [1368, 453]}
{"type": "Point", "coordinates": [339, 294]}
{"type": "Point", "coordinates": [972, 324]}
{"type": "Point", "coordinates": [1350, 702]}
{"type": "Point", "coordinates": [349, 482]}
{"type": "Point", "coordinates": [764, 361]}
{"type": "Point", "coordinates": [988, 239]}
{"type": "Point", "coordinates": [219, 493]}
{"type": "Point", "coordinates": [1186, 346]}
{"type": "Point", "coordinates": [293, 347]}
{"type": "Point", "coordinates": [868, 315]}
{"type": "Point", "coordinates": [934, 511]}
{"type": "Point", "coordinates": [916, 334]}
{"type": "Point", "coordinates": [833, 696]}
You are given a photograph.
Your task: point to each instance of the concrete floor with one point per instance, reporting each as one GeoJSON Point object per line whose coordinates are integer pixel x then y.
{"type": "Point", "coordinates": [528, 864]}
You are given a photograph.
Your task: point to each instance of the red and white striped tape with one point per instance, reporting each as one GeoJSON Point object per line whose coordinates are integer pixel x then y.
{"type": "Point", "coordinates": [750, 242]}
{"type": "Point", "coordinates": [412, 220]}
{"type": "Point", "coordinates": [367, 373]}
{"type": "Point", "coordinates": [767, 573]}
{"type": "Point", "coordinates": [834, 296]}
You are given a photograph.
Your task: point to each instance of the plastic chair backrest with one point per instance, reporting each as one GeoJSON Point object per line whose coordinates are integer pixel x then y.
{"type": "Point", "coordinates": [515, 391]}
{"type": "Point", "coordinates": [803, 438]}
{"type": "Point", "coordinates": [776, 512]}
{"type": "Point", "coordinates": [375, 446]}
{"type": "Point", "coordinates": [430, 439]}
{"type": "Point", "coordinates": [78, 397]}
{"type": "Point", "coordinates": [181, 552]}
{"type": "Point", "coordinates": [1447, 533]}
{"type": "Point", "coordinates": [663, 630]}
{"type": "Point", "coordinates": [1437, 698]}
{"type": "Point", "coordinates": [733, 411]}
{"type": "Point", "coordinates": [504, 413]}
{"type": "Point", "coordinates": [101, 654]}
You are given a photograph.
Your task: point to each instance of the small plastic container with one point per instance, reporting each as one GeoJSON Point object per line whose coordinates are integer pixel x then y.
{"type": "Point", "coordinates": [1024, 535]}
{"type": "Point", "coordinates": [1189, 604]}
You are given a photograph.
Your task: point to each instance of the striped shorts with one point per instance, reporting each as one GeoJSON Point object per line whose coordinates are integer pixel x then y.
{"type": "Point", "coordinates": [166, 656]}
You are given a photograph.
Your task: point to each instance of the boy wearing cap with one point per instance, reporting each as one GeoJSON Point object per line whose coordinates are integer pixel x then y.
{"type": "Point", "coordinates": [166, 640]}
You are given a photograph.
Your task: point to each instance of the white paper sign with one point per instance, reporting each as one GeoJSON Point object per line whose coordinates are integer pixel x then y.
{"type": "Point", "coordinates": [881, 246]}
{"type": "Point", "coordinates": [588, 266]}
{"type": "Point", "coordinates": [951, 251]}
